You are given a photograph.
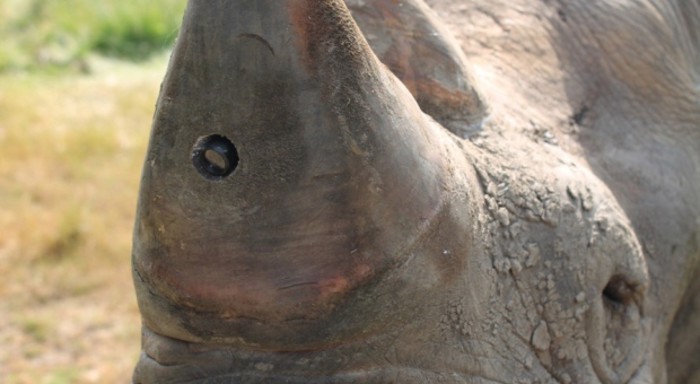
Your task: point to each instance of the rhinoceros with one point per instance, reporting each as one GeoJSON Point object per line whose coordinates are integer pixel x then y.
{"type": "Point", "coordinates": [399, 191]}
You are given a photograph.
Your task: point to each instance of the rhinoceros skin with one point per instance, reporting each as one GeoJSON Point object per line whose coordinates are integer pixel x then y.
{"type": "Point", "coordinates": [494, 192]}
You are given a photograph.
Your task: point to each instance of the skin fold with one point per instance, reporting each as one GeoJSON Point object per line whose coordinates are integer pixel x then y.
{"type": "Point", "coordinates": [388, 191]}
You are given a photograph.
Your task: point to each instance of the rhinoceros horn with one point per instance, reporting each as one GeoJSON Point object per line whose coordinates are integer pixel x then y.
{"type": "Point", "coordinates": [289, 175]}
{"type": "Point", "coordinates": [410, 39]}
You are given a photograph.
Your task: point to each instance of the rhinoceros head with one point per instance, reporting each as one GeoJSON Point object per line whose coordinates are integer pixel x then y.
{"type": "Point", "coordinates": [315, 208]}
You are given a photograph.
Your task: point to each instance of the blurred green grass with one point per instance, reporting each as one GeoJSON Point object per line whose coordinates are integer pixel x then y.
{"type": "Point", "coordinates": [71, 151]}
{"type": "Point", "coordinates": [78, 85]}
{"type": "Point", "coordinates": [61, 34]}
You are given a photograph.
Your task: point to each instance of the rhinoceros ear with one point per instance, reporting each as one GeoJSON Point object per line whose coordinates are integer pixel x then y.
{"type": "Point", "coordinates": [408, 37]}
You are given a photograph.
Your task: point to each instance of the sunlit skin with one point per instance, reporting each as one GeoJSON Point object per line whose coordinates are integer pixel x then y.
{"type": "Point", "coordinates": [488, 212]}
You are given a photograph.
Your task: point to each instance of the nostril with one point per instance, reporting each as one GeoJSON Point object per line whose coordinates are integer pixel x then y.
{"type": "Point", "coordinates": [619, 290]}
{"type": "Point", "coordinates": [215, 157]}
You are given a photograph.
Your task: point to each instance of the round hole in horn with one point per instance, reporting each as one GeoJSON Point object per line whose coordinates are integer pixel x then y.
{"type": "Point", "coordinates": [215, 157]}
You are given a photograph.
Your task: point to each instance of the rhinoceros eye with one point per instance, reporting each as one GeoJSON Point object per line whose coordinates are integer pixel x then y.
{"type": "Point", "coordinates": [619, 291]}
{"type": "Point", "coordinates": [214, 156]}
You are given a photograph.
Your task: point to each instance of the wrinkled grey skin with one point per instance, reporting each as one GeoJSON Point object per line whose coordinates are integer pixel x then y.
{"type": "Point", "coordinates": [556, 241]}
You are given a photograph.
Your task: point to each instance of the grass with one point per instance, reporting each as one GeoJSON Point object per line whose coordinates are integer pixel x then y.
{"type": "Point", "coordinates": [71, 150]}
{"type": "Point", "coordinates": [74, 121]}
{"type": "Point", "coordinates": [61, 34]}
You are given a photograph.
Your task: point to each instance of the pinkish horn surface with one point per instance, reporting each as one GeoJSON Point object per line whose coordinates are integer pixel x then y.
{"type": "Point", "coordinates": [288, 174]}
{"type": "Point", "coordinates": [408, 37]}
